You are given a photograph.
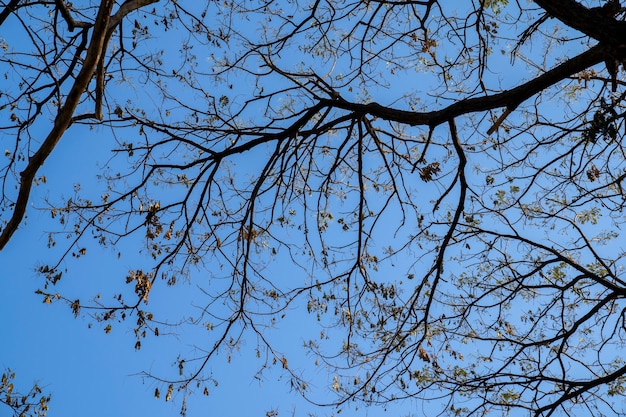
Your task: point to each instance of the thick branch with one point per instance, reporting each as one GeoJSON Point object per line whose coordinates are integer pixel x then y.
{"type": "Point", "coordinates": [62, 121]}
{"type": "Point", "coordinates": [127, 7]}
{"type": "Point", "coordinates": [6, 12]}
{"type": "Point", "coordinates": [592, 22]}
{"type": "Point", "coordinates": [67, 16]}
{"type": "Point", "coordinates": [509, 99]}
{"type": "Point", "coordinates": [584, 387]}
{"type": "Point", "coordinates": [116, 19]}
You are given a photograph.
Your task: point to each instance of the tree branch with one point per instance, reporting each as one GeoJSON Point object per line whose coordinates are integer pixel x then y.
{"type": "Point", "coordinates": [126, 8]}
{"type": "Point", "coordinates": [592, 22]}
{"type": "Point", "coordinates": [510, 98]}
{"type": "Point", "coordinates": [116, 19]}
{"type": "Point", "coordinates": [10, 8]}
{"type": "Point", "coordinates": [62, 121]}
{"type": "Point", "coordinates": [67, 16]}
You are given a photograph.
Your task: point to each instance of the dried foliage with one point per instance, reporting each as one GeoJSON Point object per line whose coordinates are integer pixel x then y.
{"type": "Point", "coordinates": [22, 404]}
{"type": "Point", "coordinates": [439, 182]}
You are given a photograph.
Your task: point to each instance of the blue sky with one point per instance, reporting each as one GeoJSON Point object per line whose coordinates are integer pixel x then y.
{"type": "Point", "coordinates": [85, 369]}
{"type": "Point", "coordinates": [91, 372]}
{"type": "Point", "coordinates": [88, 371]}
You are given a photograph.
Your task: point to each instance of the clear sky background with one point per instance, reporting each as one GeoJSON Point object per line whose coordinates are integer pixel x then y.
{"type": "Point", "coordinates": [93, 373]}
{"type": "Point", "coordinates": [87, 371]}
{"type": "Point", "coordinates": [90, 373]}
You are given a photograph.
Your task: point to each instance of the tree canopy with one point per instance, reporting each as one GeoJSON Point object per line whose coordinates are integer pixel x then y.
{"type": "Point", "coordinates": [434, 186]}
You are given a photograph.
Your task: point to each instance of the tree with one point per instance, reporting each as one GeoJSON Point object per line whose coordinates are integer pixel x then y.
{"type": "Point", "coordinates": [443, 181]}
